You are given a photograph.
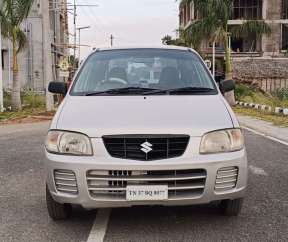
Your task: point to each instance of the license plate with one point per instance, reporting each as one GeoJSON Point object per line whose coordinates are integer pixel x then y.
{"type": "Point", "coordinates": [144, 193]}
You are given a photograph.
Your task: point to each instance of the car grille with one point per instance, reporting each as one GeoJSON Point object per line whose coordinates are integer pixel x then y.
{"type": "Point", "coordinates": [146, 147]}
{"type": "Point", "coordinates": [111, 185]}
{"type": "Point", "coordinates": [226, 179]}
{"type": "Point", "coordinates": [65, 181]}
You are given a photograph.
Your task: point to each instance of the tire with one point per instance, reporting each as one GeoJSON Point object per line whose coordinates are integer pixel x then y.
{"type": "Point", "coordinates": [232, 207]}
{"type": "Point", "coordinates": [57, 211]}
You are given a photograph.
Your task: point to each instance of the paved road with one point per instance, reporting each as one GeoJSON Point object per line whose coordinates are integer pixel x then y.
{"type": "Point", "coordinates": [23, 215]}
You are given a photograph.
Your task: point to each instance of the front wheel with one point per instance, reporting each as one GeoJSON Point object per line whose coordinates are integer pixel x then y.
{"type": "Point", "coordinates": [232, 207]}
{"type": "Point", "coordinates": [57, 211]}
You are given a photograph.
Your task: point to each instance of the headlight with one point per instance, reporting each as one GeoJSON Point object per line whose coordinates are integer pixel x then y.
{"type": "Point", "coordinates": [69, 143]}
{"type": "Point", "coordinates": [221, 141]}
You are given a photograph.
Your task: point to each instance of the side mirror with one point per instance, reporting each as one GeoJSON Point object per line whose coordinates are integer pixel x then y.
{"type": "Point", "coordinates": [227, 86]}
{"type": "Point", "coordinates": [58, 88]}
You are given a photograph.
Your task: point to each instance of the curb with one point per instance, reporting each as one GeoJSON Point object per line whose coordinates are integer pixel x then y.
{"type": "Point", "coordinates": [265, 108]}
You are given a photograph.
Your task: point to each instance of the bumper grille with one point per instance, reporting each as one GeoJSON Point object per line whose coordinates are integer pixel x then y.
{"type": "Point", "coordinates": [226, 179]}
{"type": "Point", "coordinates": [146, 147]}
{"type": "Point", "coordinates": [111, 185]}
{"type": "Point", "coordinates": [65, 181]}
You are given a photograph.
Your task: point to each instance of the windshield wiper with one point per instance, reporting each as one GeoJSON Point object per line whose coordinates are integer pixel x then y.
{"type": "Point", "coordinates": [126, 90]}
{"type": "Point", "coordinates": [182, 90]}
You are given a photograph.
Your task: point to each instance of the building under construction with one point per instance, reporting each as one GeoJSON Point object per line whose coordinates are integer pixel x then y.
{"type": "Point", "coordinates": [261, 59]}
{"type": "Point", "coordinates": [46, 22]}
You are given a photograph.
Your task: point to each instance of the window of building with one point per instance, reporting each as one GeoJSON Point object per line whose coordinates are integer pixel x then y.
{"type": "Point", "coordinates": [2, 55]}
{"type": "Point", "coordinates": [285, 9]}
{"type": "Point", "coordinates": [247, 9]}
{"type": "Point", "coordinates": [284, 37]}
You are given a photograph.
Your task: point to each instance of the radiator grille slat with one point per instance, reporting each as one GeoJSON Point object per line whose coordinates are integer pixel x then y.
{"type": "Point", "coordinates": [111, 185]}
{"type": "Point", "coordinates": [162, 146]}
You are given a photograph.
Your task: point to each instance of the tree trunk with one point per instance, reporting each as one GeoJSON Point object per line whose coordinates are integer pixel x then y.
{"type": "Point", "coordinates": [16, 98]}
{"type": "Point", "coordinates": [230, 96]}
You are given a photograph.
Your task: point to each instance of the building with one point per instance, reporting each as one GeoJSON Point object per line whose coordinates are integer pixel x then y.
{"type": "Point", "coordinates": [275, 13]}
{"type": "Point", "coordinates": [31, 60]}
{"type": "Point", "coordinates": [262, 60]}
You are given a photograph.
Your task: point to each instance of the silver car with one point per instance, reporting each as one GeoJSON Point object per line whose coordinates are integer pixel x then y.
{"type": "Point", "coordinates": [144, 126]}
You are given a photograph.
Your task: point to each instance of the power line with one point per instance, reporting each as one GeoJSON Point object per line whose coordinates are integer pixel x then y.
{"type": "Point", "coordinates": [74, 5]}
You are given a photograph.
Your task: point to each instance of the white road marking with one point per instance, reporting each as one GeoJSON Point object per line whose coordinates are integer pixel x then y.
{"type": "Point", "coordinates": [265, 135]}
{"type": "Point", "coordinates": [257, 171]}
{"type": "Point", "coordinates": [99, 227]}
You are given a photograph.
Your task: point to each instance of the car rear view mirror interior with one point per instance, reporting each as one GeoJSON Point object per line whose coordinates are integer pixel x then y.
{"type": "Point", "coordinates": [227, 86]}
{"type": "Point", "coordinates": [58, 87]}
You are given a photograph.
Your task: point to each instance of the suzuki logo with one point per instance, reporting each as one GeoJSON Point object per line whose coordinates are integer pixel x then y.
{"type": "Point", "coordinates": [146, 147]}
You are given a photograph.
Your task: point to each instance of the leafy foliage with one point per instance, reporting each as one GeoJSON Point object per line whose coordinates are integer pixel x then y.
{"type": "Point", "coordinates": [281, 93]}
{"type": "Point", "coordinates": [242, 91]}
{"type": "Point", "coordinates": [168, 40]}
{"type": "Point", "coordinates": [12, 14]}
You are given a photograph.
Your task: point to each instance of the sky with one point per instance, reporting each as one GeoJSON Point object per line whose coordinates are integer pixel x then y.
{"type": "Point", "coordinates": [131, 22]}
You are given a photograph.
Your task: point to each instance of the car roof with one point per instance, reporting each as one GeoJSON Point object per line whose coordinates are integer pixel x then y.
{"type": "Point", "coordinates": [164, 47]}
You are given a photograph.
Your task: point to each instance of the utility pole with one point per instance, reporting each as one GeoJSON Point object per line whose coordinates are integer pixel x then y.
{"type": "Point", "coordinates": [79, 29]}
{"type": "Point", "coordinates": [75, 29]}
{"type": "Point", "coordinates": [75, 25]}
{"type": "Point", "coordinates": [1, 76]}
{"type": "Point", "coordinates": [47, 54]}
{"type": "Point", "coordinates": [111, 40]}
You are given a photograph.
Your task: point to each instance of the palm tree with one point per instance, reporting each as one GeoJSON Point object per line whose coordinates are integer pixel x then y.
{"type": "Point", "coordinates": [213, 26]}
{"type": "Point", "coordinates": [168, 40]}
{"type": "Point", "coordinates": [12, 14]}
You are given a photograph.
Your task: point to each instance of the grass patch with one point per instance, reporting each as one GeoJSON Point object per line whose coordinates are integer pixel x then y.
{"type": "Point", "coordinates": [276, 119]}
{"type": "Point", "coordinates": [250, 94]}
{"type": "Point", "coordinates": [25, 113]}
{"type": "Point", "coordinates": [33, 105]}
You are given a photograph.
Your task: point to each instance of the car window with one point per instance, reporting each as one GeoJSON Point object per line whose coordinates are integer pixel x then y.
{"type": "Point", "coordinates": [144, 68]}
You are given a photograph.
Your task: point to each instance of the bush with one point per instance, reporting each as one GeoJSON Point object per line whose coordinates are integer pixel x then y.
{"type": "Point", "coordinates": [282, 93]}
{"type": "Point", "coordinates": [32, 100]}
{"type": "Point", "coordinates": [29, 100]}
{"type": "Point", "coordinates": [6, 99]}
{"type": "Point", "coordinates": [242, 91]}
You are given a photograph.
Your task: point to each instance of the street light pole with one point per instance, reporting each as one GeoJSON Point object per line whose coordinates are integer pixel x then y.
{"type": "Point", "coordinates": [79, 29]}
{"type": "Point", "coordinates": [74, 20]}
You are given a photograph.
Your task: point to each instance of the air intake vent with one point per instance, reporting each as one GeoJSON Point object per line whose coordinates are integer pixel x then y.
{"type": "Point", "coordinates": [226, 179]}
{"type": "Point", "coordinates": [65, 181]}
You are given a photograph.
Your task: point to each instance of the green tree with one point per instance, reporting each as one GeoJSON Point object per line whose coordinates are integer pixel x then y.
{"type": "Point", "coordinates": [168, 40]}
{"type": "Point", "coordinates": [12, 14]}
{"type": "Point", "coordinates": [212, 25]}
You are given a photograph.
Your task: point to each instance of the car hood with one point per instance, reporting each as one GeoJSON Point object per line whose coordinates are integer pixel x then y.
{"type": "Point", "coordinates": [114, 115]}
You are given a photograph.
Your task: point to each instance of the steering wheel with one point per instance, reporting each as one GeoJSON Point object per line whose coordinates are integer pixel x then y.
{"type": "Point", "coordinates": [119, 80]}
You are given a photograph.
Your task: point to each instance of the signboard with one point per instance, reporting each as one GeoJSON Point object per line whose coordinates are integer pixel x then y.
{"type": "Point", "coordinates": [208, 63]}
{"type": "Point", "coordinates": [64, 65]}
{"type": "Point", "coordinates": [64, 74]}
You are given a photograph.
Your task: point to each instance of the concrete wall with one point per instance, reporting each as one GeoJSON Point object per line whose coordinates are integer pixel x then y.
{"type": "Point", "coordinates": [269, 74]}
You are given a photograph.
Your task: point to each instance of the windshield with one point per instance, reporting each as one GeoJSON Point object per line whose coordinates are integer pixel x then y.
{"type": "Point", "coordinates": [141, 71]}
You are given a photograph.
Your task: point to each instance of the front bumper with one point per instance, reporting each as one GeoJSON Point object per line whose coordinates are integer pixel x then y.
{"type": "Point", "coordinates": [210, 163]}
